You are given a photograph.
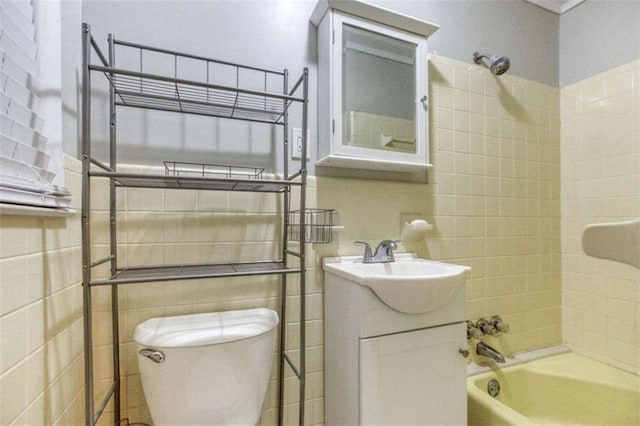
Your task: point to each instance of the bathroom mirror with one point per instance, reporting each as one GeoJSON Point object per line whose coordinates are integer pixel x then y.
{"type": "Point", "coordinates": [378, 91]}
{"type": "Point", "coordinates": [372, 87]}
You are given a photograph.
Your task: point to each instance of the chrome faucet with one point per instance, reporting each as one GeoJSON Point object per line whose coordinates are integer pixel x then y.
{"type": "Point", "coordinates": [383, 253]}
{"type": "Point", "coordinates": [485, 350]}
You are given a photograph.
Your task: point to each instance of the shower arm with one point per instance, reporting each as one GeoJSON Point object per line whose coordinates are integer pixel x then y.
{"type": "Point", "coordinates": [477, 57]}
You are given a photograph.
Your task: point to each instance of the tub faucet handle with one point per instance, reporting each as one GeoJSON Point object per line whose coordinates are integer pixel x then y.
{"type": "Point", "coordinates": [473, 332]}
{"type": "Point", "coordinates": [486, 327]}
{"type": "Point", "coordinates": [499, 325]}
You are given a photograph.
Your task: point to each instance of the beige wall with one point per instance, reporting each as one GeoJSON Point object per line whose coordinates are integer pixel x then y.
{"type": "Point", "coordinates": [600, 183]}
{"type": "Point", "coordinates": [41, 365]}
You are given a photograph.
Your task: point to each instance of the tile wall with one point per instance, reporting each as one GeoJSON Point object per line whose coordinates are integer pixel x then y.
{"type": "Point", "coordinates": [495, 202]}
{"type": "Point", "coordinates": [41, 365]}
{"type": "Point", "coordinates": [600, 183]}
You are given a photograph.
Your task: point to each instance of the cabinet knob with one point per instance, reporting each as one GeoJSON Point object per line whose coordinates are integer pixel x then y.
{"type": "Point", "coordinates": [464, 353]}
{"type": "Point", "coordinates": [425, 102]}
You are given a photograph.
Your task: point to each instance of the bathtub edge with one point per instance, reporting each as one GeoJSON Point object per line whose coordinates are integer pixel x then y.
{"type": "Point", "coordinates": [474, 368]}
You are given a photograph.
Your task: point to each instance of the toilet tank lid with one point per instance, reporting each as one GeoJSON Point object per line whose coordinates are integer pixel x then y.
{"type": "Point", "coordinates": [205, 329]}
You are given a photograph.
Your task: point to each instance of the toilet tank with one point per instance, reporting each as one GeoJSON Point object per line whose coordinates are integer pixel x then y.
{"type": "Point", "coordinates": [210, 368]}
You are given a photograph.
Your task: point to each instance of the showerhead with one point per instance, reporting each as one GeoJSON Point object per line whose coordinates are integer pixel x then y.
{"type": "Point", "coordinates": [497, 64]}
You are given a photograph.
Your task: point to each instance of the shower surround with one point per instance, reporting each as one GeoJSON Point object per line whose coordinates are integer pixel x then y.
{"type": "Point", "coordinates": [496, 201]}
{"type": "Point", "coordinates": [600, 183]}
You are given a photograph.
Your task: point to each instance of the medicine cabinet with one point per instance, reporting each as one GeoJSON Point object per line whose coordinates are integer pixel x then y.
{"type": "Point", "coordinates": [372, 87]}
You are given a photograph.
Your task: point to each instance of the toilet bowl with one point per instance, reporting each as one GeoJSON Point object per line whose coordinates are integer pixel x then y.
{"type": "Point", "coordinates": [207, 369]}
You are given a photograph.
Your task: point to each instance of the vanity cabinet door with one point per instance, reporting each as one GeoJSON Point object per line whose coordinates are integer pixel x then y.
{"type": "Point", "coordinates": [414, 378]}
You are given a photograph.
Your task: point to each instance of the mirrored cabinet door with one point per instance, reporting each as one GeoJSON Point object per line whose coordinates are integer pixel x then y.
{"type": "Point", "coordinates": [376, 104]}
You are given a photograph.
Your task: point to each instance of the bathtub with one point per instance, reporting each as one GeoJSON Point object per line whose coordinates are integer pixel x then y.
{"type": "Point", "coordinates": [562, 389]}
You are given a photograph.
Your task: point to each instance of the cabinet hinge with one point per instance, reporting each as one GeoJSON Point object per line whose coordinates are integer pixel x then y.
{"type": "Point", "coordinates": [333, 126]}
{"type": "Point", "coordinates": [333, 37]}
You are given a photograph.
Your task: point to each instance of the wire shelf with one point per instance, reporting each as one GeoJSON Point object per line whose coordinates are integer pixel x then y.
{"type": "Point", "coordinates": [200, 271]}
{"type": "Point", "coordinates": [147, 91]}
{"type": "Point", "coordinates": [133, 180]}
{"type": "Point", "coordinates": [177, 168]}
{"type": "Point", "coordinates": [318, 223]}
{"type": "Point", "coordinates": [196, 85]}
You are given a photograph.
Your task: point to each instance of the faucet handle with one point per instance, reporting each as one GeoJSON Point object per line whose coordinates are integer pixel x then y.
{"type": "Point", "coordinates": [388, 244]}
{"type": "Point", "coordinates": [363, 243]}
{"type": "Point", "coordinates": [473, 332]}
{"type": "Point", "coordinates": [499, 325]}
{"type": "Point", "coordinates": [367, 250]}
{"type": "Point", "coordinates": [486, 327]}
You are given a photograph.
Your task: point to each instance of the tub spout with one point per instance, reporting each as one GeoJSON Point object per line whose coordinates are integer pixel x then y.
{"type": "Point", "coordinates": [486, 350]}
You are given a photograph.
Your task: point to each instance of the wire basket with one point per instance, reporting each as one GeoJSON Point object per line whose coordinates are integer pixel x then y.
{"type": "Point", "coordinates": [176, 168]}
{"type": "Point", "coordinates": [318, 225]}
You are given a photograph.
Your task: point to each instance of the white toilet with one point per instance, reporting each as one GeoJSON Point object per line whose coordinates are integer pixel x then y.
{"type": "Point", "coordinates": [207, 369]}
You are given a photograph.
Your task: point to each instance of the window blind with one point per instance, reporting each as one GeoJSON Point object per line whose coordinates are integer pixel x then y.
{"type": "Point", "coordinates": [25, 173]}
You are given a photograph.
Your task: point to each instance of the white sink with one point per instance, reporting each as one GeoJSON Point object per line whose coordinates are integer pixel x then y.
{"type": "Point", "coordinates": [408, 285]}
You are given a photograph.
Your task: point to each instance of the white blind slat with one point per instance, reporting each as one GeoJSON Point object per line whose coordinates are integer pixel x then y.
{"type": "Point", "coordinates": [19, 40]}
{"type": "Point", "coordinates": [10, 67]}
{"type": "Point", "coordinates": [18, 52]}
{"type": "Point", "coordinates": [19, 92]}
{"type": "Point", "coordinates": [10, 27]}
{"type": "Point", "coordinates": [16, 183]}
{"type": "Point", "coordinates": [37, 177]}
{"type": "Point", "coordinates": [11, 148]}
{"type": "Point", "coordinates": [12, 195]}
{"type": "Point", "coordinates": [22, 13]}
{"type": "Point", "coordinates": [11, 129]}
{"type": "Point", "coordinates": [20, 113]}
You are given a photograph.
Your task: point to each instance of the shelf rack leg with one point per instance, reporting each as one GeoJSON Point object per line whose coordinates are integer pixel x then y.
{"type": "Point", "coordinates": [281, 365]}
{"type": "Point", "coordinates": [285, 239]}
{"type": "Point", "coordinates": [303, 270]}
{"type": "Point", "coordinates": [86, 253]}
{"type": "Point", "coordinates": [114, 242]}
{"type": "Point", "coordinates": [301, 371]}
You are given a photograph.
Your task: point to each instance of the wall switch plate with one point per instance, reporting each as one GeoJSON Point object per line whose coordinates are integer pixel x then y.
{"type": "Point", "coordinates": [296, 144]}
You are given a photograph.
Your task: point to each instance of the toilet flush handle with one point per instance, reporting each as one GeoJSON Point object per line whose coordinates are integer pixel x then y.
{"type": "Point", "coordinates": [153, 355]}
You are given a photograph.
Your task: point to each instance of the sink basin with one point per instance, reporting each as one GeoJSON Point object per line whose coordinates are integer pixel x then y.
{"type": "Point", "coordinates": [408, 285]}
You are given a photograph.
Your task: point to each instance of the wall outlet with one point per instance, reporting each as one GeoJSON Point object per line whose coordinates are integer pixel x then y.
{"type": "Point", "coordinates": [296, 144]}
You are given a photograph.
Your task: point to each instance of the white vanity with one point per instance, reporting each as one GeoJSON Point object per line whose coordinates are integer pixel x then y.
{"type": "Point", "coordinates": [395, 342]}
{"type": "Point", "coordinates": [372, 68]}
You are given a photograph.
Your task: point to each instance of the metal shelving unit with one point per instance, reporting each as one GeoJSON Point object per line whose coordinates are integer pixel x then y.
{"type": "Point", "coordinates": [135, 88]}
